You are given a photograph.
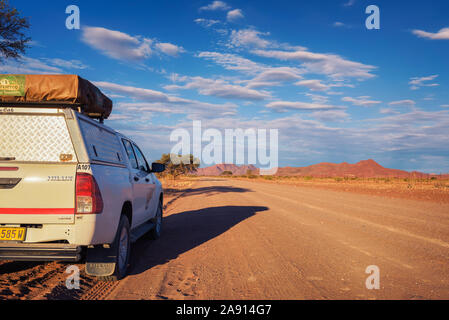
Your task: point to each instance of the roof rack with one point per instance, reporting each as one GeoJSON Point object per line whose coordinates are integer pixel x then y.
{"type": "Point", "coordinates": [49, 104]}
{"type": "Point", "coordinates": [54, 104]}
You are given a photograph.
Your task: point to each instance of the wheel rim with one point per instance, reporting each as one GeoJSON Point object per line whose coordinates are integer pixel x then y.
{"type": "Point", "coordinates": [123, 249]}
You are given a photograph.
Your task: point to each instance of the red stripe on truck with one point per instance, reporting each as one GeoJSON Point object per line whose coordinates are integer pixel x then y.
{"type": "Point", "coordinates": [9, 168]}
{"type": "Point", "coordinates": [37, 210]}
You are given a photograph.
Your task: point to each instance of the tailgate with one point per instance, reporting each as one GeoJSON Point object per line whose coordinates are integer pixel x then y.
{"type": "Point", "coordinates": [37, 169]}
{"type": "Point", "coordinates": [37, 193]}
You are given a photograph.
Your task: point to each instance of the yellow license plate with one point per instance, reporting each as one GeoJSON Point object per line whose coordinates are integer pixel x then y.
{"type": "Point", "coordinates": [12, 234]}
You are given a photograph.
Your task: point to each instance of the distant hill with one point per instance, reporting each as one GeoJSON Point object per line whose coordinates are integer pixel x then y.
{"type": "Point", "coordinates": [218, 169]}
{"type": "Point", "coordinates": [362, 169]}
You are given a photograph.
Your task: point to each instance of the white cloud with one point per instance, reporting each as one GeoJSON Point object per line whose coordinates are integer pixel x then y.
{"type": "Point", "coordinates": [388, 111]}
{"type": "Point", "coordinates": [279, 74]}
{"type": "Point", "coordinates": [406, 102]}
{"type": "Point", "coordinates": [27, 65]}
{"type": "Point", "coordinates": [169, 49]}
{"type": "Point", "coordinates": [444, 106]}
{"type": "Point", "coordinates": [219, 88]}
{"type": "Point", "coordinates": [443, 34]}
{"type": "Point", "coordinates": [283, 106]}
{"type": "Point", "coordinates": [262, 84]}
{"type": "Point", "coordinates": [152, 101]}
{"type": "Point", "coordinates": [264, 75]}
{"type": "Point", "coordinates": [206, 22]}
{"type": "Point", "coordinates": [67, 64]}
{"type": "Point", "coordinates": [233, 62]}
{"type": "Point", "coordinates": [349, 3]}
{"type": "Point", "coordinates": [317, 98]}
{"type": "Point", "coordinates": [314, 85]}
{"type": "Point", "coordinates": [361, 101]}
{"type": "Point", "coordinates": [274, 76]}
{"type": "Point", "coordinates": [121, 46]}
{"type": "Point", "coordinates": [329, 64]}
{"type": "Point", "coordinates": [399, 137]}
{"type": "Point", "coordinates": [330, 115]}
{"type": "Point", "coordinates": [134, 92]}
{"type": "Point", "coordinates": [117, 117]}
{"type": "Point", "coordinates": [215, 5]}
{"type": "Point", "coordinates": [234, 15]}
{"type": "Point", "coordinates": [116, 44]}
{"type": "Point", "coordinates": [248, 38]}
{"type": "Point", "coordinates": [196, 109]}
{"type": "Point", "coordinates": [417, 82]}
{"type": "Point", "coordinates": [338, 24]}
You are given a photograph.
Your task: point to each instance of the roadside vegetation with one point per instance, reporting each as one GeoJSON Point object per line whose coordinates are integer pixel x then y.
{"type": "Point", "coordinates": [185, 165]}
{"type": "Point", "coordinates": [13, 38]}
{"type": "Point", "coordinates": [433, 188]}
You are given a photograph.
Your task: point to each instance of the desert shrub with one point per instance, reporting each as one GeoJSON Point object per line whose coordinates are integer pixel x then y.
{"type": "Point", "coordinates": [440, 185]}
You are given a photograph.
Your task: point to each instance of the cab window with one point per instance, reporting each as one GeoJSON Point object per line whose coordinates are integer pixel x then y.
{"type": "Point", "coordinates": [141, 161]}
{"type": "Point", "coordinates": [130, 153]}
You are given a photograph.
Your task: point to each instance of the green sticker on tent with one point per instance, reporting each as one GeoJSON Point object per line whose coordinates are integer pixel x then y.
{"type": "Point", "coordinates": [12, 85]}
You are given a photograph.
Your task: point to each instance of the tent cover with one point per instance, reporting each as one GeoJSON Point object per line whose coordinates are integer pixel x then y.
{"type": "Point", "coordinates": [71, 90]}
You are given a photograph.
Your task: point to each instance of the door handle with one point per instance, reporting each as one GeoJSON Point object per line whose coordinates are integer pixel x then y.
{"type": "Point", "coordinates": [136, 178]}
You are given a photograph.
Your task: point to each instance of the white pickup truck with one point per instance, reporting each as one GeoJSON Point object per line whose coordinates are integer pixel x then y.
{"type": "Point", "coordinates": [72, 188]}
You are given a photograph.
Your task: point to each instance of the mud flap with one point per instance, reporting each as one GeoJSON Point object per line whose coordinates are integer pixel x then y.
{"type": "Point", "coordinates": [100, 261]}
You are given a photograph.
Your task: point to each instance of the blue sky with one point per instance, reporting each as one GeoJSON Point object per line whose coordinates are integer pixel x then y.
{"type": "Point", "coordinates": [335, 90]}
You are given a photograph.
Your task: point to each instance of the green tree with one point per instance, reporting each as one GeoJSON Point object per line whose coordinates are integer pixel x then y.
{"type": "Point", "coordinates": [226, 173]}
{"type": "Point", "coordinates": [13, 40]}
{"type": "Point", "coordinates": [184, 164]}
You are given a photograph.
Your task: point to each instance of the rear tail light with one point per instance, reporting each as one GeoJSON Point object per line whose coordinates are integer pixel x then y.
{"type": "Point", "coordinates": [88, 195]}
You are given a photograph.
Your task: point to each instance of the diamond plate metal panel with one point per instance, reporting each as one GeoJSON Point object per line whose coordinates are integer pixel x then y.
{"type": "Point", "coordinates": [40, 138]}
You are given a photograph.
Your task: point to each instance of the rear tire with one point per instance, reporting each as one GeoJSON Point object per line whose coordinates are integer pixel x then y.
{"type": "Point", "coordinates": [122, 247]}
{"type": "Point", "coordinates": [155, 233]}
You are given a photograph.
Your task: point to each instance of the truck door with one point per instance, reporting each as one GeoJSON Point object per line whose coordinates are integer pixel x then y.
{"type": "Point", "coordinates": [137, 179]}
{"type": "Point", "coordinates": [150, 187]}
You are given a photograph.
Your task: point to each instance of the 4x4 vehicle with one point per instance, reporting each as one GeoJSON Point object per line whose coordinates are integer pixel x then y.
{"type": "Point", "coordinates": [72, 188]}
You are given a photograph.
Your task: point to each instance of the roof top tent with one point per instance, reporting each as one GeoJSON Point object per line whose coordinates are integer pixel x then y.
{"type": "Point", "coordinates": [70, 91]}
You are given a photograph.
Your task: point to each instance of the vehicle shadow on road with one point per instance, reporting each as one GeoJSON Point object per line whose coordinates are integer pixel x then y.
{"type": "Point", "coordinates": [186, 230]}
{"type": "Point", "coordinates": [208, 191]}
{"type": "Point", "coordinates": [17, 266]}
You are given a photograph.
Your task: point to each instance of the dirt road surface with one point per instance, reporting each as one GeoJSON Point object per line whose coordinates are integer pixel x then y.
{"type": "Point", "coordinates": [228, 239]}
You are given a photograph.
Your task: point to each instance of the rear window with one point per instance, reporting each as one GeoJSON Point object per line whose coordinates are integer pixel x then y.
{"type": "Point", "coordinates": [101, 144]}
{"type": "Point", "coordinates": [35, 138]}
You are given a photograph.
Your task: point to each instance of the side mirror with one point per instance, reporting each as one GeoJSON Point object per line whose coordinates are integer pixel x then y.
{"type": "Point", "coordinates": [157, 167]}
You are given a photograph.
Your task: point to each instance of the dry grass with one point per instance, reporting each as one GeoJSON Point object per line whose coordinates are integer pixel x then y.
{"type": "Point", "coordinates": [181, 183]}
{"type": "Point", "coordinates": [434, 189]}
{"type": "Point", "coordinates": [420, 189]}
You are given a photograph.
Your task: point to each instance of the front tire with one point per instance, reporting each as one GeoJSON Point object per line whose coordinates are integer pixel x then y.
{"type": "Point", "coordinates": [155, 233]}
